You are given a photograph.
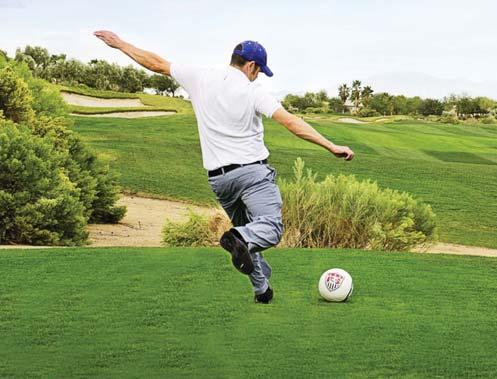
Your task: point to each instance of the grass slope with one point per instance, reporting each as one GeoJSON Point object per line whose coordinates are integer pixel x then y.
{"type": "Point", "coordinates": [152, 102]}
{"type": "Point", "coordinates": [452, 167]}
{"type": "Point", "coordinates": [153, 313]}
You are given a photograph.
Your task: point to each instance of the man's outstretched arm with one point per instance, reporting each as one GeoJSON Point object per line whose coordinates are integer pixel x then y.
{"type": "Point", "coordinates": [145, 58]}
{"type": "Point", "coordinates": [303, 130]}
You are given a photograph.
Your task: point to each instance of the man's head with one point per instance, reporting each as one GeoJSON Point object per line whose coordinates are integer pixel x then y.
{"type": "Point", "coordinates": [251, 58]}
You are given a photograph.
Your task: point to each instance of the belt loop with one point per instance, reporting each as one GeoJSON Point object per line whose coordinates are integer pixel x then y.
{"type": "Point", "coordinates": [222, 170]}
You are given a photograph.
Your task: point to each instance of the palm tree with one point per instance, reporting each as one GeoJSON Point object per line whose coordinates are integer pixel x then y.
{"type": "Point", "coordinates": [343, 93]}
{"type": "Point", "coordinates": [366, 95]}
{"type": "Point", "coordinates": [355, 96]}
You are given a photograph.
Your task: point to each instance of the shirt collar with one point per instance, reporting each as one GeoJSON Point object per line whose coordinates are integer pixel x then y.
{"type": "Point", "coordinates": [238, 72]}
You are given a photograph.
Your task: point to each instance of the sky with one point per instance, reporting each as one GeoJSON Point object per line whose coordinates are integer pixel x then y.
{"type": "Point", "coordinates": [426, 48]}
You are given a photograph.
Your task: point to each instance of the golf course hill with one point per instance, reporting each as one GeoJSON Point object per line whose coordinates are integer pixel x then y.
{"type": "Point", "coordinates": [95, 103]}
{"type": "Point", "coordinates": [451, 167]}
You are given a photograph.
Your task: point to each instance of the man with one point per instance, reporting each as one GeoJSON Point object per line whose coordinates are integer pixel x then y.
{"type": "Point", "coordinates": [229, 108]}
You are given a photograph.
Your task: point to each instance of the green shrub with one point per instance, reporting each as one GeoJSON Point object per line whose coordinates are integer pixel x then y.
{"type": "Point", "coordinates": [197, 230]}
{"type": "Point", "coordinates": [95, 187]}
{"type": "Point", "coordinates": [99, 188]}
{"type": "Point", "coordinates": [488, 120]}
{"type": "Point", "coordinates": [449, 118]}
{"type": "Point", "coordinates": [47, 99]}
{"type": "Point", "coordinates": [367, 112]}
{"type": "Point", "coordinates": [15, 97]}
{"type": "Point", "coordinates": [341, 211]}
{"type": "Point", "coordinates": [38, 202]}
{"type": "Point", "coordinates": [310, 110]}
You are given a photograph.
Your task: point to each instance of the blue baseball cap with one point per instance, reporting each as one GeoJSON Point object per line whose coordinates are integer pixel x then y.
{"type": "Point", "coordinates": [254, 51]}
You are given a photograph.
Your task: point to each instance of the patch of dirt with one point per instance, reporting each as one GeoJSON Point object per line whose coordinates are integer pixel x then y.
{"type": "Point", "coordinates": [89, 101]}
{"type": "Point", "coordinates": [126, 114]}
{"type": "Point", "coordinates": [449, 248]}
{"type": "Point", "coordinates": [349, 120]}
{"type": "Point", "coordinates": [143, 222]}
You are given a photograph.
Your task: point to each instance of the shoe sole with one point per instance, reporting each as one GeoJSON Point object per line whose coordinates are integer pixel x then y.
{"type": "Point", "coordinates": [240, 257]}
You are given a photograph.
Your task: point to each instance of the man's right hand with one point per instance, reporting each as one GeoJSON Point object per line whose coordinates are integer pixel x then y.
{"type": "Point", "coordinates": [343, 152]}
{"type": "Point", "coordinates": [110, 38]}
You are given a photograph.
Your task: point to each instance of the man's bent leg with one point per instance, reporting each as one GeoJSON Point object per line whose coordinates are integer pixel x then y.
{"type": "Point", "coordinates": [263, 203]}
{"type": "Point", "coordinates": [266, 268]}
{"type": "Point", "coordinates": [257, 277]}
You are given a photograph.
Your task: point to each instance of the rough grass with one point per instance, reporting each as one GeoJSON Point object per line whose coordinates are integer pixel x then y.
{"type": "Point", "coordinates": [341, 211]}
{"type": "Point", "coordinates": [156, 313]}
{"type": "Point", "coordinates": [161, 156]}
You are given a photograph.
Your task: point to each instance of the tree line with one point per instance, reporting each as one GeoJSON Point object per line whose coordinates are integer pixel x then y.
{"type": "Point", "coordinates": [97, 74]}
{"type": "Point", "coordinates": [362, 101]}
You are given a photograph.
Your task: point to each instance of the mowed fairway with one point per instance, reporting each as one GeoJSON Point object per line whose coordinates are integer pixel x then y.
{"type": "Point", "coordinates": [451, 167]}
{"type": "Point", "coordinates": [166, 313]}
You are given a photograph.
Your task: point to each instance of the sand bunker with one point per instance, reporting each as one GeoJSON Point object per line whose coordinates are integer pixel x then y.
{"type": "Point", "coordinates": [143, 222]}
{"type": "Point", "coordinates": [88, 101]}
{"type": "Point", "coordinates": [138, 114]}
{"type": "Point", "coordinates": [349, 120]}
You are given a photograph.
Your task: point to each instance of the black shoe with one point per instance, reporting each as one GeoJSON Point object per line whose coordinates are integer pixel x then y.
{"type": "Point", "coordinates": [240, 256]}
{"type": "Point", "coordinates": [265, 297]}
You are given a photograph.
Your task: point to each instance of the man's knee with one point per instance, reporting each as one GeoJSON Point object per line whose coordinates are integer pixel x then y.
{"type": "Point", "coordinates": [278, 229]}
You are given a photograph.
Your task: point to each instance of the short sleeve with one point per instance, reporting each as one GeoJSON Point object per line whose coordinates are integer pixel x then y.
{"type": "Point", "coordinates": [265, 103]}
{"type": "Point", "coordinates": [186, 76]}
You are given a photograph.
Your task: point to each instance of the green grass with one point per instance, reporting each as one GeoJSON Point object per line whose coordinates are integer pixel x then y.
{"type": "Point", "coordinates": [87, 91]}
{"type": "Point", "coordinates": [451, 167]}
{"type": "Point", "coordinates": [157, 313]}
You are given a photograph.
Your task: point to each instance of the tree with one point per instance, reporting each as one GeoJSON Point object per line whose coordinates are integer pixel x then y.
{"type": "Point", "coordinates": [431, 107]}
{"type": "Point", "coordinates": [40, 59]}
{"type": "Point", "coordinates": [413, 104]}
{"type": "Point", "coordinates": [336, 105]}
{"type": "Point", "coordinates": [162, 84]}
{"type": "Point", "coordinates": [322, 96]}
{"type": "Point", "coordinates": [73, 72]}
{"type": "Point", "coordinates": [131, 80]}
{"type": "Point", "coordinates": [467, 106]}
{"type": "Point", "coordinates": [102, 75]}
{"type": "Point", "coordinates": [390, 105]}
{"type": "Point", "coordinates": [355, 94]}
{"type": "Point", "coordinates": [366, 95]}
{"type": "Point", "coordinates": [382, 103]}
{"type": "Point", "coordinates": [343, 94]}
{"type": "Point", "coordinates": [400, 105]}
{"type": "Point", "coordinates": [486, 104]}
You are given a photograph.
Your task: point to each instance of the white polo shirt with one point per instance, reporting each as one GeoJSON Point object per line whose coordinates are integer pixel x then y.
{"type": "Point", "coordinates": [229, 110]}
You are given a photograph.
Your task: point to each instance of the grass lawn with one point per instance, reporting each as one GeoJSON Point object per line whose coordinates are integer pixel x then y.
{"type": "Point", "coordinates": [452, 167]}
{"type": "Point", "coordinates": [157, 313]}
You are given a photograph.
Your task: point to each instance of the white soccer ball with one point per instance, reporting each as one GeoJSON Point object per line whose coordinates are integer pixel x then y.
{"type": "Point", "coordinates": [336, 285]}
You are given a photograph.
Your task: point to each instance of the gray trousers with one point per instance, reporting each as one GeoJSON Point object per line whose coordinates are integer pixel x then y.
{"type": "Point", "coordinates": [252, 201]}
